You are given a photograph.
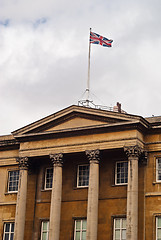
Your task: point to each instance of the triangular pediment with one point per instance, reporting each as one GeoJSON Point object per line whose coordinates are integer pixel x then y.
{"type": "Point", "coordinates": [76, 122]}
{"type": "Point", "coordinates": [76, 117]}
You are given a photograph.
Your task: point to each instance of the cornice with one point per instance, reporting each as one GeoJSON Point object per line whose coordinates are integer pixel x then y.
{"type": "Point", "coordinates": [114, 127]}
{"type": "Point", "coordinates": [12, 143]}
{"type": "Point", "coordinates": [77, 110]}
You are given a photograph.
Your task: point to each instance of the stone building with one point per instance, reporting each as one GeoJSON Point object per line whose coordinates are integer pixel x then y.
{"type": "Point", "coordinates": [79, 174]}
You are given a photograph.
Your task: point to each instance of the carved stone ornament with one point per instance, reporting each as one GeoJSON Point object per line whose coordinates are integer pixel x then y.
{"type": "Point", "coordinates": [22, 162]}
{"type": "Point", "coordinates": [93, 156]}
{"type": "Point", "coordinates": [144, 158]}
{"type": "Point", "coordinates": [57, 159]}
{"type": "Point", "coordinates": [133, 151]}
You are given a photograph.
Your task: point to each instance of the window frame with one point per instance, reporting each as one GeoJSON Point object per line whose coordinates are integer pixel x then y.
{"type": "Point", "coordinates": [84, 186]}
{"type": "Point", "coordinates": [81, 230]}
{"type": "Point", "coordinates": [157, 169]}
{"type": "Point", "coordinates": [45, 188]}
{"type": "Point", "coordinates": [118, 184]}
{"type": "Point", "coordinates": [156, 228]}
{"type": "Point", "coordinates": [10, 228]}
{"type": "Point", "coordinates": [8, 181]}
{"type": "Point", "coordinates": [44, 231]}
{"type": "Point", "coordinates": [120, 228]}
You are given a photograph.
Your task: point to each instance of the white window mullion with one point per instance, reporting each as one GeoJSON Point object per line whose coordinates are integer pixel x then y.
{"type": "Point", "coordinates": [158, 169]}
{"type": "Point", "coordinates": [78, 228]}
{"type": "Point", "coordinates": [121, 173]}
{"type": "Point", "coordinates": [83, 175]}
{"type": "Point", "coordinates": [48, 178]}
{"type": "Point", "coordinates": [81, 231]}
{"type": "Point", "coordinates": [45, 230]}
{"type": "Point", "coordinates": [13, 179]}
{"type": "Point", "coordinates": [8, 233]}
{"type": "Point", "coordinates": [158, 228]}
{"type": "Point", "coordinates": [119, 229]}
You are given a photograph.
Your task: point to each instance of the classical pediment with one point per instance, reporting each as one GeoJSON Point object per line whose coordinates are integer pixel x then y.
{"type": "Point", "coordinates": [76, 117]}
{"type": "Point", "coordinates": [76, 122]}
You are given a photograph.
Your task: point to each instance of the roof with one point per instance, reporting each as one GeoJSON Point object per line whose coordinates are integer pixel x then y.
{"type": "Point", "coordinates": [78, 120]}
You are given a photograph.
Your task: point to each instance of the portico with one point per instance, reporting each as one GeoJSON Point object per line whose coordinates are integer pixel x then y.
{"type": "Point", "coordinates": [50, 141]}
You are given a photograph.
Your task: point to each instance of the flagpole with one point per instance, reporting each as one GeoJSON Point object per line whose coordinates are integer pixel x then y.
{"type": "Point", "coordinates": [88, 80]}
{"type": "Point", "coordinates": [100, 40]}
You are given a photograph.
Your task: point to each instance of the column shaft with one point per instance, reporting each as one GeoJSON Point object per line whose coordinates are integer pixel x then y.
{"type": "Point", "coordinates": [133, 154]}
{"type": "Point", "coordinates": [21, 200]}
{"type": "Point", "coordinates": [55, 208]}
{"type": "Point", "coordinates": [93, 193]}
{"type": "Point", "coordinates": [132, 200]}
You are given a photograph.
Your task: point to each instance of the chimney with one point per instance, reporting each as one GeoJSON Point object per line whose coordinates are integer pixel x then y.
{"type": "Point", "coordinates": [119, 107]}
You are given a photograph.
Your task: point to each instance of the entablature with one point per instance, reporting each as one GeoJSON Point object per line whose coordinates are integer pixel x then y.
{"type": "Point", "coordinates": [81, 143]}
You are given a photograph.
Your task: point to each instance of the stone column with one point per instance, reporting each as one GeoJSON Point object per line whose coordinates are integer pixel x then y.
{"type": "Point", "coordinates": [55, 208]}
{"type": "Point", "coordinates": [93, 193]}
{"type": "Point", "coordinates": [21, 199]}
{"type": "Point", "coordinates": [133, 154]}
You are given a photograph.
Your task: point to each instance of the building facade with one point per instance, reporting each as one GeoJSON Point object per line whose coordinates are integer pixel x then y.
{"type": "Point", "coordinates": [82, 174]}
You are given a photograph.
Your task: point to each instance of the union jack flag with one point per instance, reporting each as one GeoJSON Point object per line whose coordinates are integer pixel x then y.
{"type": "Point", "coordinates": [97, 39]}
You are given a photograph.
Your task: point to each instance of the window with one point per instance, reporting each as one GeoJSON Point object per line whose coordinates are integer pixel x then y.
{"type": "Point", "coordinates": [48, 178]}
{"type": "Point", "coordinates": [121, 174]}
{"type": "Point", "coordinates": [13, 179]}
{"type": "Point", "coordinates": [158, 228]}
{"type": "Point", "coordinates": [45, 230]}
{"type": "Point", "coordinates": [119, 229]}
{"type": "Point", "coordinates": [8, 231]}
{"type": "Point", "coordinates": [158, 169]}
{"type": "Point", "coordinates": [80, 229]}
{"type": "Point", "coordinates": [83, 176]}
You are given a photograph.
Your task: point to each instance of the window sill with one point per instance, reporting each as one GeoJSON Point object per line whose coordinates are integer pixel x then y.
{"type": "Point", "coordinates": [119, 185]}
{"type": "Point", "coordinates": [159, 182]}
{"type": "Point", "coordinates": [46, 190]}
{"type": "Point", "coordinates": [8, 193]}
{"type": "Point", "coordinates": [79, 188]}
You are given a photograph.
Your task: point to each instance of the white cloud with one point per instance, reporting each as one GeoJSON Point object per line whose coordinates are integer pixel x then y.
{"type": "Point", "coordinates": [44, 56]}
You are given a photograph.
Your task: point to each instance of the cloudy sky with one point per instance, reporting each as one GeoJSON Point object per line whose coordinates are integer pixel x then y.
{"type": "Point", "coordinates": [44, 57]}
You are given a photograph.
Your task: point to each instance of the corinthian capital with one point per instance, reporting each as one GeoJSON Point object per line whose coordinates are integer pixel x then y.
{"type": "Point", "coordinates": [133, 151]}
{"type": "Point", "coordinates": [57, 159]}
{"type": "Point", "coordinates": [93, 156]}
{"type": "Point", "coordinates": [22, 162]}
